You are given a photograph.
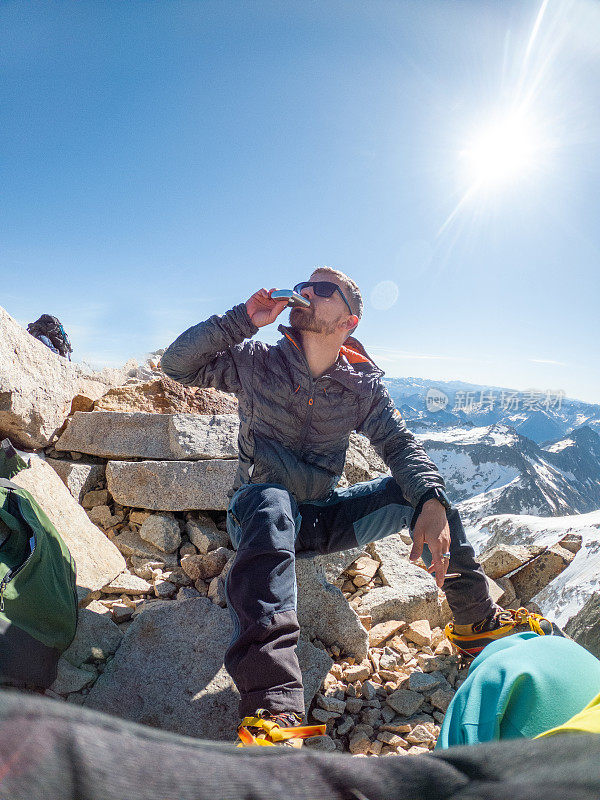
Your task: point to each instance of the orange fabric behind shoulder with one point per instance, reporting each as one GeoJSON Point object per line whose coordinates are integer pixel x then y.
{"type": "Point", "coordinates": [353, 356]}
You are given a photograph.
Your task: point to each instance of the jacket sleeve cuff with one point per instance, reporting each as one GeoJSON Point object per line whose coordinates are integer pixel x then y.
{"type": "Point", "coordinates": [241, 319]}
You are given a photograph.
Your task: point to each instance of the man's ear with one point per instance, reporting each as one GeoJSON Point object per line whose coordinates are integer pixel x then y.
{"type": "Point", "coordinates": [350, 322]}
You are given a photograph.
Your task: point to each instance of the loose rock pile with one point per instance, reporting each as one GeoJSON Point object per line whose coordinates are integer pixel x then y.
{"type": "Point", "coordinates": [384, 694]}
{"type": "Point", "coordinates": [392, 702]}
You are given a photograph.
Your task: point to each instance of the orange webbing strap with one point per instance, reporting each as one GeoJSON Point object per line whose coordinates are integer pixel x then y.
{"type": "Point", "coordinates": [274, 732]}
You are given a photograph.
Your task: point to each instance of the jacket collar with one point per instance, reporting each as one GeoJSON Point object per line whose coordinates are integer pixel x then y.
{"type": "Point", "coordinates": [352, 367]}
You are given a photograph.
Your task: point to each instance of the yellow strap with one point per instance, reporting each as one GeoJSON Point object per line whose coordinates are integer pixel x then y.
{"type": "Point", "coordinates": [522, 615]}
{"type": "Point", "coordinates": [247, 739]}
{"type": "Point", "coordinates": [274, 732]}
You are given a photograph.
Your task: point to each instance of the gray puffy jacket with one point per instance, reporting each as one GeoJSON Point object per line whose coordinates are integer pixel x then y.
{"type": "Point", "coordinates": [294, 429]}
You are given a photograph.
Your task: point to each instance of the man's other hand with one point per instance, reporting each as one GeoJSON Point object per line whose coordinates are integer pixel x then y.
{"type": "Point", "coordinates": [262, 310]}
{"type": "Point", "coordinates": [432, 528]}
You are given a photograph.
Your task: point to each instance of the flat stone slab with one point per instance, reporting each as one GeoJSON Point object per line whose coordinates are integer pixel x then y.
{"type": "Point", "coordinates": [129, 584]}
{"type": "Point", "coordinates": [204, 534]}
{"type": "Point", "coordinates": [405, 701]}
{"type": "Point", "coordinates": [502, 559]}
{"type": "Point", "coordinates": [172, 485]}
{"type": "Point", "coordinates": [138, 434]}
{"type": "Point", "coordinates": [131, 543]}
{"type": "Point", "coordinates": [423, 682]}
{"type": "Point", "coordinates": [411, 596]}
{"type": "Point", "coordinates": [537, 574]}
{"type": "Point", "coordinates": [159, 394]}
{"type": "Point", "coordinates": [98, 560]}
{"type": "Point", "coordinates": [168, 671]}
{"type": "Point", "coordinates": [78, 476]}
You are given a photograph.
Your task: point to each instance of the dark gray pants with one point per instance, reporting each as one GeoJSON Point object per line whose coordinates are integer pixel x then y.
{"type": "Point", "coordinates": [267, 527]}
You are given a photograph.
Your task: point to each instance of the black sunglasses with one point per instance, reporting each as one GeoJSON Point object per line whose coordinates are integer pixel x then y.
{"type": "Point", "coordinates": [322, 289]}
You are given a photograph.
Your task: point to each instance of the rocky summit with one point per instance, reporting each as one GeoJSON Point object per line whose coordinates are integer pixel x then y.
{"type": "Point", "coordinates": [134, 471]}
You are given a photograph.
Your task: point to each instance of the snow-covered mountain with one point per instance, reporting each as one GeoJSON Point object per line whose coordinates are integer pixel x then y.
{"type": "Point", "coordinates": [525, 476]}
{"type": "Point", "coordinates": [495, 470]}
{"type": "Point", "coordinates": [541, 419]}
{"type": "Point", "coordinates": [567, 593]}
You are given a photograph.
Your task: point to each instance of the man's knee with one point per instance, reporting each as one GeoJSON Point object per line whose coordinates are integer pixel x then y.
{"type": "Point", "coordinates": [264, 512]}
{"type": "Point", "coordinates": [264, 498]}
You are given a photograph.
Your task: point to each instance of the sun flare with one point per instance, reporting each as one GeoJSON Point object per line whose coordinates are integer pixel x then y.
{"type": "Point", "coordinates": [502, 151]}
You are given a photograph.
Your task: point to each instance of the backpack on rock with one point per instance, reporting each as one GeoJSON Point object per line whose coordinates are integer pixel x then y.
{"type": "Point", "coordinates": [49, 329]}
{"type": "Point", "coordinates": [38, 595]}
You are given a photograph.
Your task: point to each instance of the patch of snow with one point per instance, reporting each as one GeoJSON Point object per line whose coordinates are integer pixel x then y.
{"type": "Point", "coordinates": [558, 446]}
{"type": "Point", "coordinates": [465, 478]}
{"type": "Point", "coordinates": [489, 434]}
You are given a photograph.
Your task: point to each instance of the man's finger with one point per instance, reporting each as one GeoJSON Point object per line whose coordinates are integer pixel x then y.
{"type": "Point", "coordinates": [439, 564]}
{"type": "Point", "coordinates": [439, 567]}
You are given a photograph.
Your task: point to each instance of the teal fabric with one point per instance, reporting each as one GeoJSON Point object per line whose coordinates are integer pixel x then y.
{"type": "Point", "coordinates": [520, 686]}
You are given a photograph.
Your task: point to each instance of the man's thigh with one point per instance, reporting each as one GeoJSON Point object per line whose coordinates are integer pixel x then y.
{"type": "Point", "coordinates": [354, 516]}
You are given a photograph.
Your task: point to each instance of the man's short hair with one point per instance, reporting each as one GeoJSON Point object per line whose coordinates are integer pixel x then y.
{"type": "Point", "coordinates": [351, 290]}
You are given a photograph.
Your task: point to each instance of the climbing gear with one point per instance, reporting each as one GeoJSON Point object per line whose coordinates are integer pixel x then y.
{"type": "Point", "coordinates": [497, 625]}
{"type": "Point", "coordinates": [51, 327]}
{"type": "Point", "coordinates": [266, 729]}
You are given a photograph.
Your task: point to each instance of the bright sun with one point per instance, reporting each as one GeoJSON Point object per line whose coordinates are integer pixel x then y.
{"type": "Point", "coordinates": [502, 151]}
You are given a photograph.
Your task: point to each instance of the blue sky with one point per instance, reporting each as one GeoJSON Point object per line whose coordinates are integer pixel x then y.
{"type": "Point", "coordinates": [163, 160]}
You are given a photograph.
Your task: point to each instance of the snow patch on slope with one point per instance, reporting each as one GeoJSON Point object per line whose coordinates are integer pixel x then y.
{"type": "Point", "coordinates": [464, 478]}
{"type": "Point", "coordinates": [496, 435]}
{"type": "Point", "coordinates": [558, 446]}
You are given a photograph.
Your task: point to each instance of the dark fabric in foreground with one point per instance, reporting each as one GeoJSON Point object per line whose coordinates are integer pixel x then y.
{"type": "Point", "coordinates": [57, 751]}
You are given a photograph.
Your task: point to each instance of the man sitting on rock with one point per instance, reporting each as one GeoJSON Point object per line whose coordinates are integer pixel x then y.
{"type": "Point", "coordinates": [299, 400]}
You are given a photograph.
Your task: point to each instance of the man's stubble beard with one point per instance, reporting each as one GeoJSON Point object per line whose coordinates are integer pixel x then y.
{"type": "Point", "coordinates": [303, 319]}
